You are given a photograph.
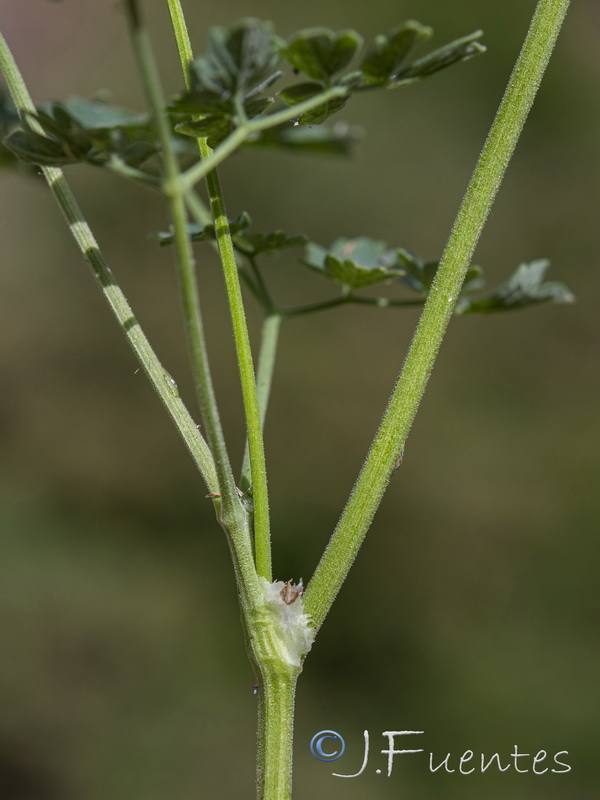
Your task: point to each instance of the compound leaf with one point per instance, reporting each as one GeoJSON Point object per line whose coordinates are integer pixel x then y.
{"type": "Point", "coordinates": [200, 233]}
{"type": "Point", "coordinates": [389, 51]}
{"type": "Point", "coordinates": [354, 263]}
{"type": "Point", "coordinates": [338, 139]}
{"type": "Point", "coordinates": [95, 114]}
{"type": "Point", "coordinates": [453, 53]}
{"type": "Point", "coordinates": [321, 53]}
{"type": "Point", "coordinates": [306, 91]}
{"type": "Point", "coordinates": [525, 287]}
{"type": "Point", "coordinates": [213, 128]}
{"type": "Point", "coordinates": [416, 273]}
{"type": "Point", "coordinates": [32, 148]}
{"type": "Point", "coordinates": [253, 244]}
{"type": "Point", "coordinates": [237, 60]}
{"type": "Point", "coordinates": [84, 131]}
{"type": "Point", "coordinates": [300, 92]}
{"type": "Point", "coordinates": [321, 113]}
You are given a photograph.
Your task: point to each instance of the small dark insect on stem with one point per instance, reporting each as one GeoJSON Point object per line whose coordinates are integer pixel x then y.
{"type": "Point", "coordinates": [290, 593]}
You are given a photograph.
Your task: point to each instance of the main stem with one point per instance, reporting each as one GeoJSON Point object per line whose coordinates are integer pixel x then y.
{"type": "Point", "coordinates": [397, 421]}
{"type": "Point", "coordinates": [277, 691]}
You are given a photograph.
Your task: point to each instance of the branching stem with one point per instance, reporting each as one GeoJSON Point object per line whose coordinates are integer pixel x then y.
{"type": "Point", "coordinates": [249, 128]}
{"type": "Point", "coordinates": [88, 246]}
{"type": "Point", "coordinates": [348, 299]}
{"type": "Point", "coordinates": [185, 260]}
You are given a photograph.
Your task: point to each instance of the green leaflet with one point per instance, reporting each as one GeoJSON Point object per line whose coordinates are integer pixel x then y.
{"type": "Point", "coordinates": [525, 287]}
{"type": "Point", "coordinates": [354, 263]}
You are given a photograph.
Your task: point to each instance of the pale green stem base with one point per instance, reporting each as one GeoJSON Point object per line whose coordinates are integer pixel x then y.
{"type": "Point", "coordinates": [275, 736]}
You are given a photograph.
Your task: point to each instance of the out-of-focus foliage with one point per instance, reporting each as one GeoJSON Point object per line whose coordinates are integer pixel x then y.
{"type": "Point", "coordinates": [87, 131]}
{"type": "Point", "coordinates": [525, 287]}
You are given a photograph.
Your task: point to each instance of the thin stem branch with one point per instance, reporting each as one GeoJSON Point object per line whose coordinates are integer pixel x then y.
{"type": "Point", "coordinates": [185, 259]}
{"type": "Point", "coordinates": [386, 302]}
{"type": "Point", "coordinates": [347, 299]}
{"type": "Point", "coordinates": [118, 166]}
{"type": "Point", "coordinates": [397, 421]}
{"type": "Point", "coordinates": [248, 129]}
{"type": "Point", "coordinates": [88, 246]}
{"type": "Point", "coordinates": [266, 299]}
{"type": "Point", "coordinates": [262, 537]}
{"type": "Point", "coordinates": [264, 377]}
{"type": "Point", "coordinates": [198, 209]}
{"type": "Point", "coordinates": [269, 337]}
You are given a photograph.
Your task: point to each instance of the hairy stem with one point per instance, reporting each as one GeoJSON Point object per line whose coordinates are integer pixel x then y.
{"type": "Point", "coordinates": [262, 537]}
{"type": "Point", "coordinates": [88, 246]}
{"type": "Point", "coordinates": [254, 281]}
{"type": "Point", "coordinates": [276, 681]}
{"type": "Point", "coordinates": [277, 691]}
{"type": "Point", "coordinates": [232, 515]}
{"type": "Point", "coordinates": [204, 217]}
{"type": "Point", "coordinates": [397, 421]}
{"type": "Point", "coordinates": [258, 470]}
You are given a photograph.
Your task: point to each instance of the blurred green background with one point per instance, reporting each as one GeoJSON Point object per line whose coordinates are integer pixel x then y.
{"type": "Point", "coordinates": [472, 612]}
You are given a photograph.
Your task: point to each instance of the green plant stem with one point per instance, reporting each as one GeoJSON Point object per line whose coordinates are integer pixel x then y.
{"type": "Point", "coordinates": [198, 209]}
{"type": "Point", "coordinates": [121, 168]}
{"type": "Point", "coordinates": [264, 376]}
{"type": "Point", "coordinates": [347, 299]}
{"type": "Point", "coordinates": [276, 681]}
{"type": "Point", "coordinates": [189, 289]}
{"type": "Point", "coordinates": [232, 515]}
{"type": "Point", "coordinates": [248, 129]}
{"type": "Point", "coordinates": [88, 246]}
{"type": "Point", "coordinates": [277, 691]}
{"type": "Point", "coordinates": [203, 217]}
{"type": "Point", "coordinates": [239, 136]}
{"type": "Point", "coordinates": [260, 497]}
{"type": "Point", "coordinates": [397, 421]}
{"type": "Point", "coordinates": [262, 536]}
{"type": "Point", "coordinates": [266, 299]}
